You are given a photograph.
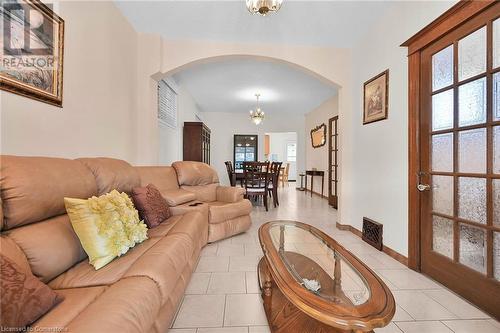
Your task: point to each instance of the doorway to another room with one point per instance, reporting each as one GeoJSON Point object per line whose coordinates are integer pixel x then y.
{"type": "Point", "coordinates": [282, 147]}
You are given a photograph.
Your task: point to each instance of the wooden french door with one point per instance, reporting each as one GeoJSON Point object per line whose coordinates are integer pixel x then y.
{"type": "Point", "coordinates": [460, 159]}
{"type": "Point", "coordinates": [333, 164]}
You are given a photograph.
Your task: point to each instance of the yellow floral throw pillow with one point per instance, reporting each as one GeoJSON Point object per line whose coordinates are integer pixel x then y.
{"type": "Point", "coordinates": [107, 226]}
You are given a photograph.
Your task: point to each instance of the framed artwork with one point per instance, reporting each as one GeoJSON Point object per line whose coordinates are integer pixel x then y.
{"type": "Point", "coordinates": [376, 98]}
{"type": "Point", "coordinates": [32, 51]}
{"type": "Point", "coordinates": [318, 136]}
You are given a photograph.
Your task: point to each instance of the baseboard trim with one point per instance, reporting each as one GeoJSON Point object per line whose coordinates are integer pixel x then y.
{"type": "Point", "coordinates": [316, 193]}
{"type": "Point", "coordinates": [387, 250]}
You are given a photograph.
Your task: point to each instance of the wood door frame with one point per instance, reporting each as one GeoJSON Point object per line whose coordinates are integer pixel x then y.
{"type": "Point", "coordinates": [451, 19]}
{"type": "Point", "coordinates": [330, 135]}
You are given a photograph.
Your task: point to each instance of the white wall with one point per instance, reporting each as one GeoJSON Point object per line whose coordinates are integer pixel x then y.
{"type": "Point", "coordinates": [278, 146]}
{"type": "Point", "coordinates": [171, 139]}
{"type": "Point", "coordinates": [318, 157]}
{"type": "Point", "coordinates": [225, 125]}
{"type": "Point", "coordinates": [99, 99]}
{"type": "Point", "coordinates": [379, 182]}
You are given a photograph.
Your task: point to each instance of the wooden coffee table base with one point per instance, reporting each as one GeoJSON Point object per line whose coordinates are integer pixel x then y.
{"type": "Point", "coordinates": [282, 315]}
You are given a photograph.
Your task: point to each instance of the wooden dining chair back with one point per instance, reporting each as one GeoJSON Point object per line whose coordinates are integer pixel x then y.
{"type": "Point", "coordinates": [230, 173]}
{"type": "Point", "coordinates": [256, 180]}
{"type": "Point", "coordinates": [274, 174]}
{"type": "Point", "coordinates": [284, 175]}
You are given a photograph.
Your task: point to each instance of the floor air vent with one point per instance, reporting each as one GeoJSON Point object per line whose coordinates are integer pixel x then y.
{"type": "Point", "coordinates": [372, 233]}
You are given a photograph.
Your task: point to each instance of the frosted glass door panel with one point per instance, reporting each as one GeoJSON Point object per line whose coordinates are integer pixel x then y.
{"type": "Point", "coordinates": [496, 43]}
{"type": "Point", "coordinates": [472, 103]}
{"type": "Point", "coordinates": [496, 96]}
{"type": "Point", "coordinates": [496, 255]}
{"type": "Point", "coordinates": [472, 54]}
{"type": "Point", "coordinates": [472, 151]}
{"type": "Point", "coordinates": [473, 248]}
{"type": "Point", "coordinates": [442, 236]}
{"type": "Point", "coordinates": [442, 152]}
{"type": "Point", "coordinates": [442, 110]}
{"type": "Point", "coordinates": [496, 201]}
{"type": "Point", "coordinates": [472, 199]}
{"type": "Point", "coordinates": [442, 195]}
{"type": "Point", "coordinates": [442, 68]}
{"type": "Point", "coordinates": [496, 149]}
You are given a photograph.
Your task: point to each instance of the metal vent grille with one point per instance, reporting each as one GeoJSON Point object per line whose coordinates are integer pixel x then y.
{"type": "Point", "coordinates": [372, 233]}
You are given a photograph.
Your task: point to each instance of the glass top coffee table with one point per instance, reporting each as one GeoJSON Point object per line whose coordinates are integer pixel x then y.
{"type": "Point", "coordinates": [310, 283]}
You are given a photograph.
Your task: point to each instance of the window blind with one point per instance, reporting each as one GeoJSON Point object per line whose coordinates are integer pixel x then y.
{"type": "Point", "coordinates": [167, 105]}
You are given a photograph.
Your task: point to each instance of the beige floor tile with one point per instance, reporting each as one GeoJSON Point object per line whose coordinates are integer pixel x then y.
{"type": "Point", "coordinates": [471, 326]}
{"type": "Point", "coordinates": [230, 249]}
{"type": "Point", "coordinates": [244, 310]}
{"type": "Point", "coordinates": [459, 307]}
{"type": "Point", "coordinates": [212, 264]}
{"type": "Point", "coordinates": [198, 283]}
{"type": "Point", "coordinates": [245, 238]}
{"type": "Point", "coordinates": [182, 330]}
{"type": "Point", "coordinates": [408, 279]}
{"type": "Point", "coordinates": [201, 311]}
{"type": "Point", "coordinates": [259, 329]}
{"type": "Point", "coordinates": [391, 328]}
{"type": "Point", "coordinates": [494, 323]}
{"type": "Point", "coordinates": [227, 283]}
{"type": "Point", "coordinates": [252, 283]}
{"type": "Point", "coordinates": [420, 306]}
{"type": "Point", "coordinates": [243, 263]}
{"type": "Point", "coordinates": [253, 250]}
{"type": "Point", "coordinates": [209, 250]}
{"type": "Point", "coordinates": [423, 326]}
{"type": "Point", "coordinates": [223, 330]}
{"type": "Point", "coordinates": [401, 315]}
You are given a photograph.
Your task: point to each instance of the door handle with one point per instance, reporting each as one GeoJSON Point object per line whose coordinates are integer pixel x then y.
{"type": "Point", "coordinates": [423, 187]}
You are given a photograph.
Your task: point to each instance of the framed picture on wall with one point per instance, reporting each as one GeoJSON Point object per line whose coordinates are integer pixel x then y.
{"type": "Point", "coordinates": [376, 98]}
{"type": "Point", "coordinates": [32, 51]}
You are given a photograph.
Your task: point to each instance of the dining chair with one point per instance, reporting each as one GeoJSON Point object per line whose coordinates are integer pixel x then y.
{"type": "Point", "coordinates": [256, 178]}
{"type": "Point", "coordinates": [230, 173]}
{"type": "Point", "coordinates": [274, 173]}
{"type": "Point", "coordinates": [284, 175]}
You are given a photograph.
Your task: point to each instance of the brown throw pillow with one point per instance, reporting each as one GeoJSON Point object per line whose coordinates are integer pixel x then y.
{"type": "Point", "coordinates": [152, 207]}
{"type": "Point", "coordinates": [24, 297]}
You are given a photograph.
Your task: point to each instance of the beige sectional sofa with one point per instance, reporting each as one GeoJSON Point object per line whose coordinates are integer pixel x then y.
{"type": "Point", "coordinates": [139, 291]}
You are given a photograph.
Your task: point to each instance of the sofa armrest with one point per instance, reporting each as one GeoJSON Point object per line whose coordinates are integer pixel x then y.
{"type": "Point", "coordinates": [178, 197]}
{"type": "Point", "coordinates": [230, 194]}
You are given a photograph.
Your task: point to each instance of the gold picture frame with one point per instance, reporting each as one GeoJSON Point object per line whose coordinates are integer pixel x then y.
{"type": "Point", "coordinates": [33, 51]}
{"type": "Point", "coordinates": [376, 98]}
{"type": "Point", "coordinates": [318, 136]}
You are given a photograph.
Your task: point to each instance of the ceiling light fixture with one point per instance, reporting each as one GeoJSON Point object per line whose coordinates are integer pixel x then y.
{"type": "Point", "coordinates": [263, 6]}
{"type": "Point", "coordinates": [257, 115]}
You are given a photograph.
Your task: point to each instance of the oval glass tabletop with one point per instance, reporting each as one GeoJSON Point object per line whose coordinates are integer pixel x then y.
{"type": "Point", "coordinates": [317, 266]}
{"type": "Point", "coordinates": [307, 275]}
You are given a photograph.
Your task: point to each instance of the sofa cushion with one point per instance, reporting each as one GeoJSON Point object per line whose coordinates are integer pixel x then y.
{"type": "Point", "coordinates": [11, 250]}
{"type": "Point", "coordinates": [223, 211]}
{"type": "Point", "coordinates": [152, 207]}
{"type": "Point", "coordinates": [24, 297]}
{"type": "Point", "coordinates": [195, 173]}
{"type": "Point", "coordinates": [163, 177]}
{"type": "Point", "coordinates": [230, 194]}
{"type": "Point", "coordinates": [52, 239]}
{"type": "Point", "coordinates": [205, 193]}
{"type": "Point", "coordinates": [107, 226]}
{"type": "Point", "coordinates": [165, 227]}
{"type": "Point", "coordinates": [165, 261]}
{"type": "Point", "coordinates": [112, 174]}
{"type": "Point", "coordinates": [84, 275]}
{"type": "Point", "coordinates": [75, 301]}
{"type": "Point", "coordinates": [178, 197]}
{"type": "Point", "coordinates": [229, 228]}
{"type": "Point", "coordinates": [33, 188]}
{"type": "Point", "coordinates": [128, 306]}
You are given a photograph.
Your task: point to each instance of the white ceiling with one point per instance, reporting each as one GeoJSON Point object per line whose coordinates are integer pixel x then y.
{"type": "Point", "coordinates": [322, 23]}
{"type": "Point", "coordinates": [230, 86]}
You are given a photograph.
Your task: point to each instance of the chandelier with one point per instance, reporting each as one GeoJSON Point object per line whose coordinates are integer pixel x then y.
{"type": "Point", "coordinates": [263, 6]}
{"type": "Point", "coordinates": [257, 115]}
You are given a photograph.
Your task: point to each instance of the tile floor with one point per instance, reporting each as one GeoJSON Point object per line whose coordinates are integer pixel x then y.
{"type": "Point", "coordinates": [223, 295]}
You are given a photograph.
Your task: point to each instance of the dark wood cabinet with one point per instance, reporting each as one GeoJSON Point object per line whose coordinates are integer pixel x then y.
{"type": "Point", "coordinates": [196, 142]}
